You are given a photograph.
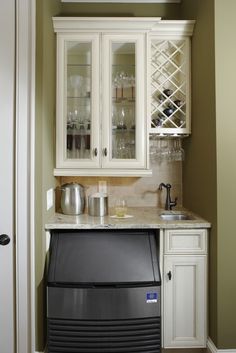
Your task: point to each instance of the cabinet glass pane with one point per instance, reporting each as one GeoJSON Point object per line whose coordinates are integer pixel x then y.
{"type": "Point", "coordinates": [123, 101]}
{"type": "Point", "coordinates": [78, 120]}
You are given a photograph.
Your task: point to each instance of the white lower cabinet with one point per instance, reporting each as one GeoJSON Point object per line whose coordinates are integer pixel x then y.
{"type": "Point", "coordinates": [184, 290]}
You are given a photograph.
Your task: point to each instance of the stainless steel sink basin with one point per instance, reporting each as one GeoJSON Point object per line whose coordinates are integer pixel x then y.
{"type": "Point", "coordinates": [175, 216]}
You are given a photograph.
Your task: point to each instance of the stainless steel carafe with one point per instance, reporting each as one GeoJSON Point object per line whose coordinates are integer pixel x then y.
{"type": "Point", "coordinates": [72, 199]}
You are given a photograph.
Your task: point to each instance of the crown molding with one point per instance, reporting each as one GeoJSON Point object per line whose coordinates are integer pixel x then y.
{"type": "Point", "coordinates": [155, 25]}
{"type": "Point", "coordinates": [174, 27]}
{"type": "Point", "coordinates": [127, 1]}
{"type": "Point", "coordinates": [70, 24]}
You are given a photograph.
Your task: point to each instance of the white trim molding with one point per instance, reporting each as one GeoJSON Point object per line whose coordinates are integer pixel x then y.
{"type": "Point", "coordinates": [174, 28]}
{"type": "Point", "coordinates": [213, 349]}
{"type": "Point", "coordinates": [72, 24]}
{"type": "Point", "coordinates": [25, 102]}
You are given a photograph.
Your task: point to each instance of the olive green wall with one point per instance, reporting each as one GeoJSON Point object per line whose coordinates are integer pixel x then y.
{"type": "Point", "coordinates": [199, 168]}
{"type": "Point", "coordinates": [209, 172]}
{"type": "Point", "coordinates": [168, 11]}
{"type": "Point", "coordinates": [44, 147]}
{"type": "Point", "coordinates": [225, 56]}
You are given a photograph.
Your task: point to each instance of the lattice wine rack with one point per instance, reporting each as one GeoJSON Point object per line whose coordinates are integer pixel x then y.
{"type": "Point", "coordinates": [170, 87]}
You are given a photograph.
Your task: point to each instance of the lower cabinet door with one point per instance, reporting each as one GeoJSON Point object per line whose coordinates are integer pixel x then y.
{"type": "Point", "coordinates": [184, 281]}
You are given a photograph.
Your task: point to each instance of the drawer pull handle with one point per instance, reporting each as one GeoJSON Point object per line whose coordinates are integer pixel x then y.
{"type": "Point", "coordinates": [95, 152]}
{"type": "Point", "coordinates": [169, 274]}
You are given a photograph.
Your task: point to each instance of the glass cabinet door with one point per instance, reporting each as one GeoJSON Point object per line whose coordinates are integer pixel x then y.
{"type": "Point", "coordinates": [123, 143]}
{"type": "Point", "coordinates": [77, 102]}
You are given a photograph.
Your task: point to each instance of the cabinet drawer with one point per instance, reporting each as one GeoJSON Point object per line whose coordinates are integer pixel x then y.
{"type": "Point", "coordinates": [183, 241]}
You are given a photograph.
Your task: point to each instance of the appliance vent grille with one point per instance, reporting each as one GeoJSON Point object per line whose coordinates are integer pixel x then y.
{"type": "Point", "coordinates": [104, 336]}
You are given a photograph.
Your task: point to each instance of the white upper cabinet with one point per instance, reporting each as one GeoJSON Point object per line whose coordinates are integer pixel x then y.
{"type": "Point", "coordinates": [113, 75]}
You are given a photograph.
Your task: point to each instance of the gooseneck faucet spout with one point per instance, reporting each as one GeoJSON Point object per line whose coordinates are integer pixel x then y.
{"type": "Point", "coordinates": [169, 204]}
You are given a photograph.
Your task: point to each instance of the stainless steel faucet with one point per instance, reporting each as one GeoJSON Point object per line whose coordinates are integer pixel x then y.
{"type": "Point", "coordinates": [169, 204]}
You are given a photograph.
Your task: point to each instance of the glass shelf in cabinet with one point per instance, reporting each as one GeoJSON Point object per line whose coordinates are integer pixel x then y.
{"type": "Point", "coordinates": [123, 100]}
{"type": "Point", "coordinates": [79, 65]}
{"type": "Point", "coordinates": [123, 65]}
{"type": "Point", "coordinates": [122, 130]}
{"type": "Point", "coordinates": [88, 96]}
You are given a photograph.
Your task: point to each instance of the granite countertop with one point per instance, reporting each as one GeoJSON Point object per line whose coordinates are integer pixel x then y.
{"type": "Point", "coordinates": [142, 217]}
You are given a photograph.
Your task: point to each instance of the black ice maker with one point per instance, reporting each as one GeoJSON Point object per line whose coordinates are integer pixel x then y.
{"type": "Point", "coordinates": [103, 292]}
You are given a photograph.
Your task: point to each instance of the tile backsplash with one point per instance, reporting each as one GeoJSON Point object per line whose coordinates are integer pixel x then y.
{"type": "Point", "coordinates": [138, 192]}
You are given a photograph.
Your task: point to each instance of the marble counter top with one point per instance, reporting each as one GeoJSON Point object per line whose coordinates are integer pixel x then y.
{"type": "Point", "coordinates": [142, 217]}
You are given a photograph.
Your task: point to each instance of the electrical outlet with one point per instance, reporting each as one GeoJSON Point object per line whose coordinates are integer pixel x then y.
{"type": "Point", "coordinates": [102, 186]}
{"type": "Point", "coordinates": [49, 199]}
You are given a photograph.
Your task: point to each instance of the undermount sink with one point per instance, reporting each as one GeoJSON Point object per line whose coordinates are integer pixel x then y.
{"type": "Point", "coordinates": [175, 216]}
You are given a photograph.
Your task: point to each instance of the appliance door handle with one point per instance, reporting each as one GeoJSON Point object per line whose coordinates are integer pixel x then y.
{"type": "Point", "coordinates": [4, 239]}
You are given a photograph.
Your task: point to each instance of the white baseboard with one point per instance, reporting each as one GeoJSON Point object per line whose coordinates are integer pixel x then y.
{"type": "Point", "coordinates": [213, 349]}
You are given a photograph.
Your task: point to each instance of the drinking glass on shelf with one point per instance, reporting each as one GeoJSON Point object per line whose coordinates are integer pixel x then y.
{"type": "Point", "coordinates": [132, 85]}
{"type": "Point", "coordinates": [75, 83]}
{"type": "Point", "coordinates": [120, 81]}
{"type": "Point", "coordinates": [122, 150]}
{"type": "Point", "coordinates": [69, 140]}
{"type": "Point", "coordinates": [130, 147]}
{"type": "Point", "coordinates": [123, 79]}
{"type": "Point", "coordinates": [122, 119]}
{"type": "Point", "coordinates": [116, 86]}
{"type": "Point", "coordinates": [120, 208]}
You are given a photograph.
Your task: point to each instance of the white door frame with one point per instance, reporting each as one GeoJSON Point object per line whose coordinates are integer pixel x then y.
{"type": "Point", "coordinates": [24, 169]}
{"type": "Point", "coordinates": [7, 179]}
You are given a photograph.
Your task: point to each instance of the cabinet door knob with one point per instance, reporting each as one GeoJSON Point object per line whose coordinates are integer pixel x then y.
{"type": "Point", "coordinates": [169, 274]}
{"type": "Point", "coordinates": [95, 151]}
{"type": "Point", "coordinates": [105, 151]}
